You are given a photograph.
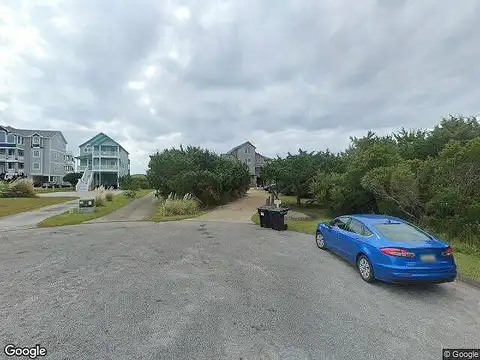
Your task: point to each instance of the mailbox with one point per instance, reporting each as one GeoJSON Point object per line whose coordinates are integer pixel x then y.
{"type": "Point", "coordinates": [86, 205]}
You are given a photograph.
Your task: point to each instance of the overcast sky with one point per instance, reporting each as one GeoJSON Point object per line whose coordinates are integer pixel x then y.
{"type": "Point", "coordinates": [215, 73]}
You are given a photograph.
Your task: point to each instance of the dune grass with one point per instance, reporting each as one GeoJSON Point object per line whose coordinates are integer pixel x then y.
{"type": "Point", "coordinates": [175, 209]}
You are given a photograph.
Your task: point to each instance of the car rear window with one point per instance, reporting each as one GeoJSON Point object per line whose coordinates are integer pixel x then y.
{"type": "Point", "coordinates": [400, 232]}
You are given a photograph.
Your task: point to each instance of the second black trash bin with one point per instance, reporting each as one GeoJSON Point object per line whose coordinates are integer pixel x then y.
{"type": "Point", "coordinates": [265, 217]}
{"type": "Point", "coordinates": [277, 218]}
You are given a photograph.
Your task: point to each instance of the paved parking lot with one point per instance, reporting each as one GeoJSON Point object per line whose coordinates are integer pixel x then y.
{"type": "Point", "coordinates": [211, 290]}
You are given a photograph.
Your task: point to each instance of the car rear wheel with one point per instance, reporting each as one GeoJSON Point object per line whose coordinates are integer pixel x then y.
{"type": "Point", "coordinates": [320, 240]}
{"type": "Point", "coordinates": [365, 269]}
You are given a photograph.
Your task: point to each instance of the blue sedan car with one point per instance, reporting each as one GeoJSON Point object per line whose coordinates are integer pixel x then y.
{"type": "Point", "coordinates": [387, 248]}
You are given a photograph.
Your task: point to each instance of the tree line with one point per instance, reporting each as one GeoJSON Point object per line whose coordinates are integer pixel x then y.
{"type": "Point", "coordinates": [212, 179]}
{"type": "Point", "coordinates": [430, 177]}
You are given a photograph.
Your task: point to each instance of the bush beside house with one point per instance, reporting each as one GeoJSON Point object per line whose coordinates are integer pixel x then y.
{"type": "Point", "coordinates": [72, 178]}
{"type": "Point", "coordinates": [209, 178]}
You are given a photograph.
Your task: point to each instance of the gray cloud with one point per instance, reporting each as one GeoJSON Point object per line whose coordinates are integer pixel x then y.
{"type": "Point", "coordinates": [283, 75]}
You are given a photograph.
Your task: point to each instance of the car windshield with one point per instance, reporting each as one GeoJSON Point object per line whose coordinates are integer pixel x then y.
{"type": "Point", "coordinates": [400, 232]}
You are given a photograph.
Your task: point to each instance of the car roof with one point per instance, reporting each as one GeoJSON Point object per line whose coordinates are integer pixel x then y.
{"type": "Point", "coordinates": [371, 219]}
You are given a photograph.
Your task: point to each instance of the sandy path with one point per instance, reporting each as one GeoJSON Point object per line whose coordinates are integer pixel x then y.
{"type": "Point", "coordinates": [239, 211]}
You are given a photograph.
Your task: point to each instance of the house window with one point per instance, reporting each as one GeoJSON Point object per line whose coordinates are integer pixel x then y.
{"type": "Point", "coordinates": [36, 153]}
{"type": "Point", "coordinates": [36, 166]}
{"type": "Point", "coordinates": [2, 136]}
{"type": "Point", "coordinates": [20, 165]}
{"type": "Point", "coordinates": [36, 140]}
{"type": "Point", "coordinates": [11, 139]}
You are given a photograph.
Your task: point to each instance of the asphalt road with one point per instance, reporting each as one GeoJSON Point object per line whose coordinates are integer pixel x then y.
{"type": "Point", "coordinates": [214, 291]}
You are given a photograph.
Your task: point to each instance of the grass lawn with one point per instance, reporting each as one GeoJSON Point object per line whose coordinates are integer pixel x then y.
{"type": "Point", "coordinates": [53, 190]}
{"type": "Point", "coordinates": [468, 265]}
{"type": "Point", "coordinates": [467, 259]}
{"type": "Point", "coordinates": [12, 206]}
{"type": "Point", "coordinates": [68, 218]}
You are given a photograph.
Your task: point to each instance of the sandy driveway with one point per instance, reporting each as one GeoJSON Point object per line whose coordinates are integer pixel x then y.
{"type": "Point", "coordinates": [239, 211]}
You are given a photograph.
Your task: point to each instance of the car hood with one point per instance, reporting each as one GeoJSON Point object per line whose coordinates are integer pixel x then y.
{"type": "Point", "coordinates": [415, 244]}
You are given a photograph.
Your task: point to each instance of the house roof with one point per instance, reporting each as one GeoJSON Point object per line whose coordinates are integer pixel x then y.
{"type": "Point", "coordinates": [99, 139]}
{"type": "Point", "coordinates": [263, 156]}
{"type": "Point", "coordinates": [42, 133]}
{"type": "Point", "coordinates": [239, 146]}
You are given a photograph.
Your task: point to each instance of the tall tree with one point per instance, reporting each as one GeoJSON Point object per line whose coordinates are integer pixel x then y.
{"type": "Point", "coordinates": [72, 178]}
{"type": "Point", "coordinates": [295, 171]}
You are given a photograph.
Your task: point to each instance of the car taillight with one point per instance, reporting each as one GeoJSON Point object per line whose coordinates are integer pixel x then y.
{"type": "Point", "coordinates": [448, 252]}
{"type": "Point", "coordinates": [397, 252]}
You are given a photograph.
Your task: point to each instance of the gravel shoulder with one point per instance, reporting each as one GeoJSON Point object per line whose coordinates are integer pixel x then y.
{"type": "Point", "coordinates": [213, 290]}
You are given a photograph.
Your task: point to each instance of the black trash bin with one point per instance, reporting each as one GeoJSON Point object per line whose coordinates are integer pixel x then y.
{"type": "Point", "coordinates": [265, 217]}
{"type": "Point", "coordinates": [277, 216]}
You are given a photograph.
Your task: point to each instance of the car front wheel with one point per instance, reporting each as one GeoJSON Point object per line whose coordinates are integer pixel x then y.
{"type": "Point", "coordinates": [365, 269]}
{"type": "Point", "coordinates": [320, 240]}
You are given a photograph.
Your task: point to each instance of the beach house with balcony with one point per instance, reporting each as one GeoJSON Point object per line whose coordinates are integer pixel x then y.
{"type": "Point", "coordinates": [69, 162]}
{"type": "Point", "coordinates": [246, 153]}
{"type": "Point", "coordinates": [102, 161]}
{"type": "Point", "coordinates": [37, 154]}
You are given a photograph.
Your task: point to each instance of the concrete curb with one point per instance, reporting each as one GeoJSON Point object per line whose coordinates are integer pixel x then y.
{"type": "Point", "coordinates": [467, 280]}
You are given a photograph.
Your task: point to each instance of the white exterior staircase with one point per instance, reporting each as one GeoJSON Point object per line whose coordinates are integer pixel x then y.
{"type": "Point", "coordinates": [85, 182]}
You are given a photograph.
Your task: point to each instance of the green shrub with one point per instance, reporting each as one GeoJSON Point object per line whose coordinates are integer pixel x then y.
{"type": "Point", "coordinates": [127, 182]}
{"type": "Point", "coordinates": [192, 170]}
{"type": "Point", "coordinates": [130, 193]}
{"type": "Point", "coordinates": [100, 196]}
{"type": "Point", "coordinates": [141, 181]}
{"type": "Point", "coordinates": [185, 205]}
{"type": "Point", "coordinates": [4, 186]}
{"type": "Point", "coordinates": [72, 178]}
{"type": "Point", "coordinates": [23, 186]}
